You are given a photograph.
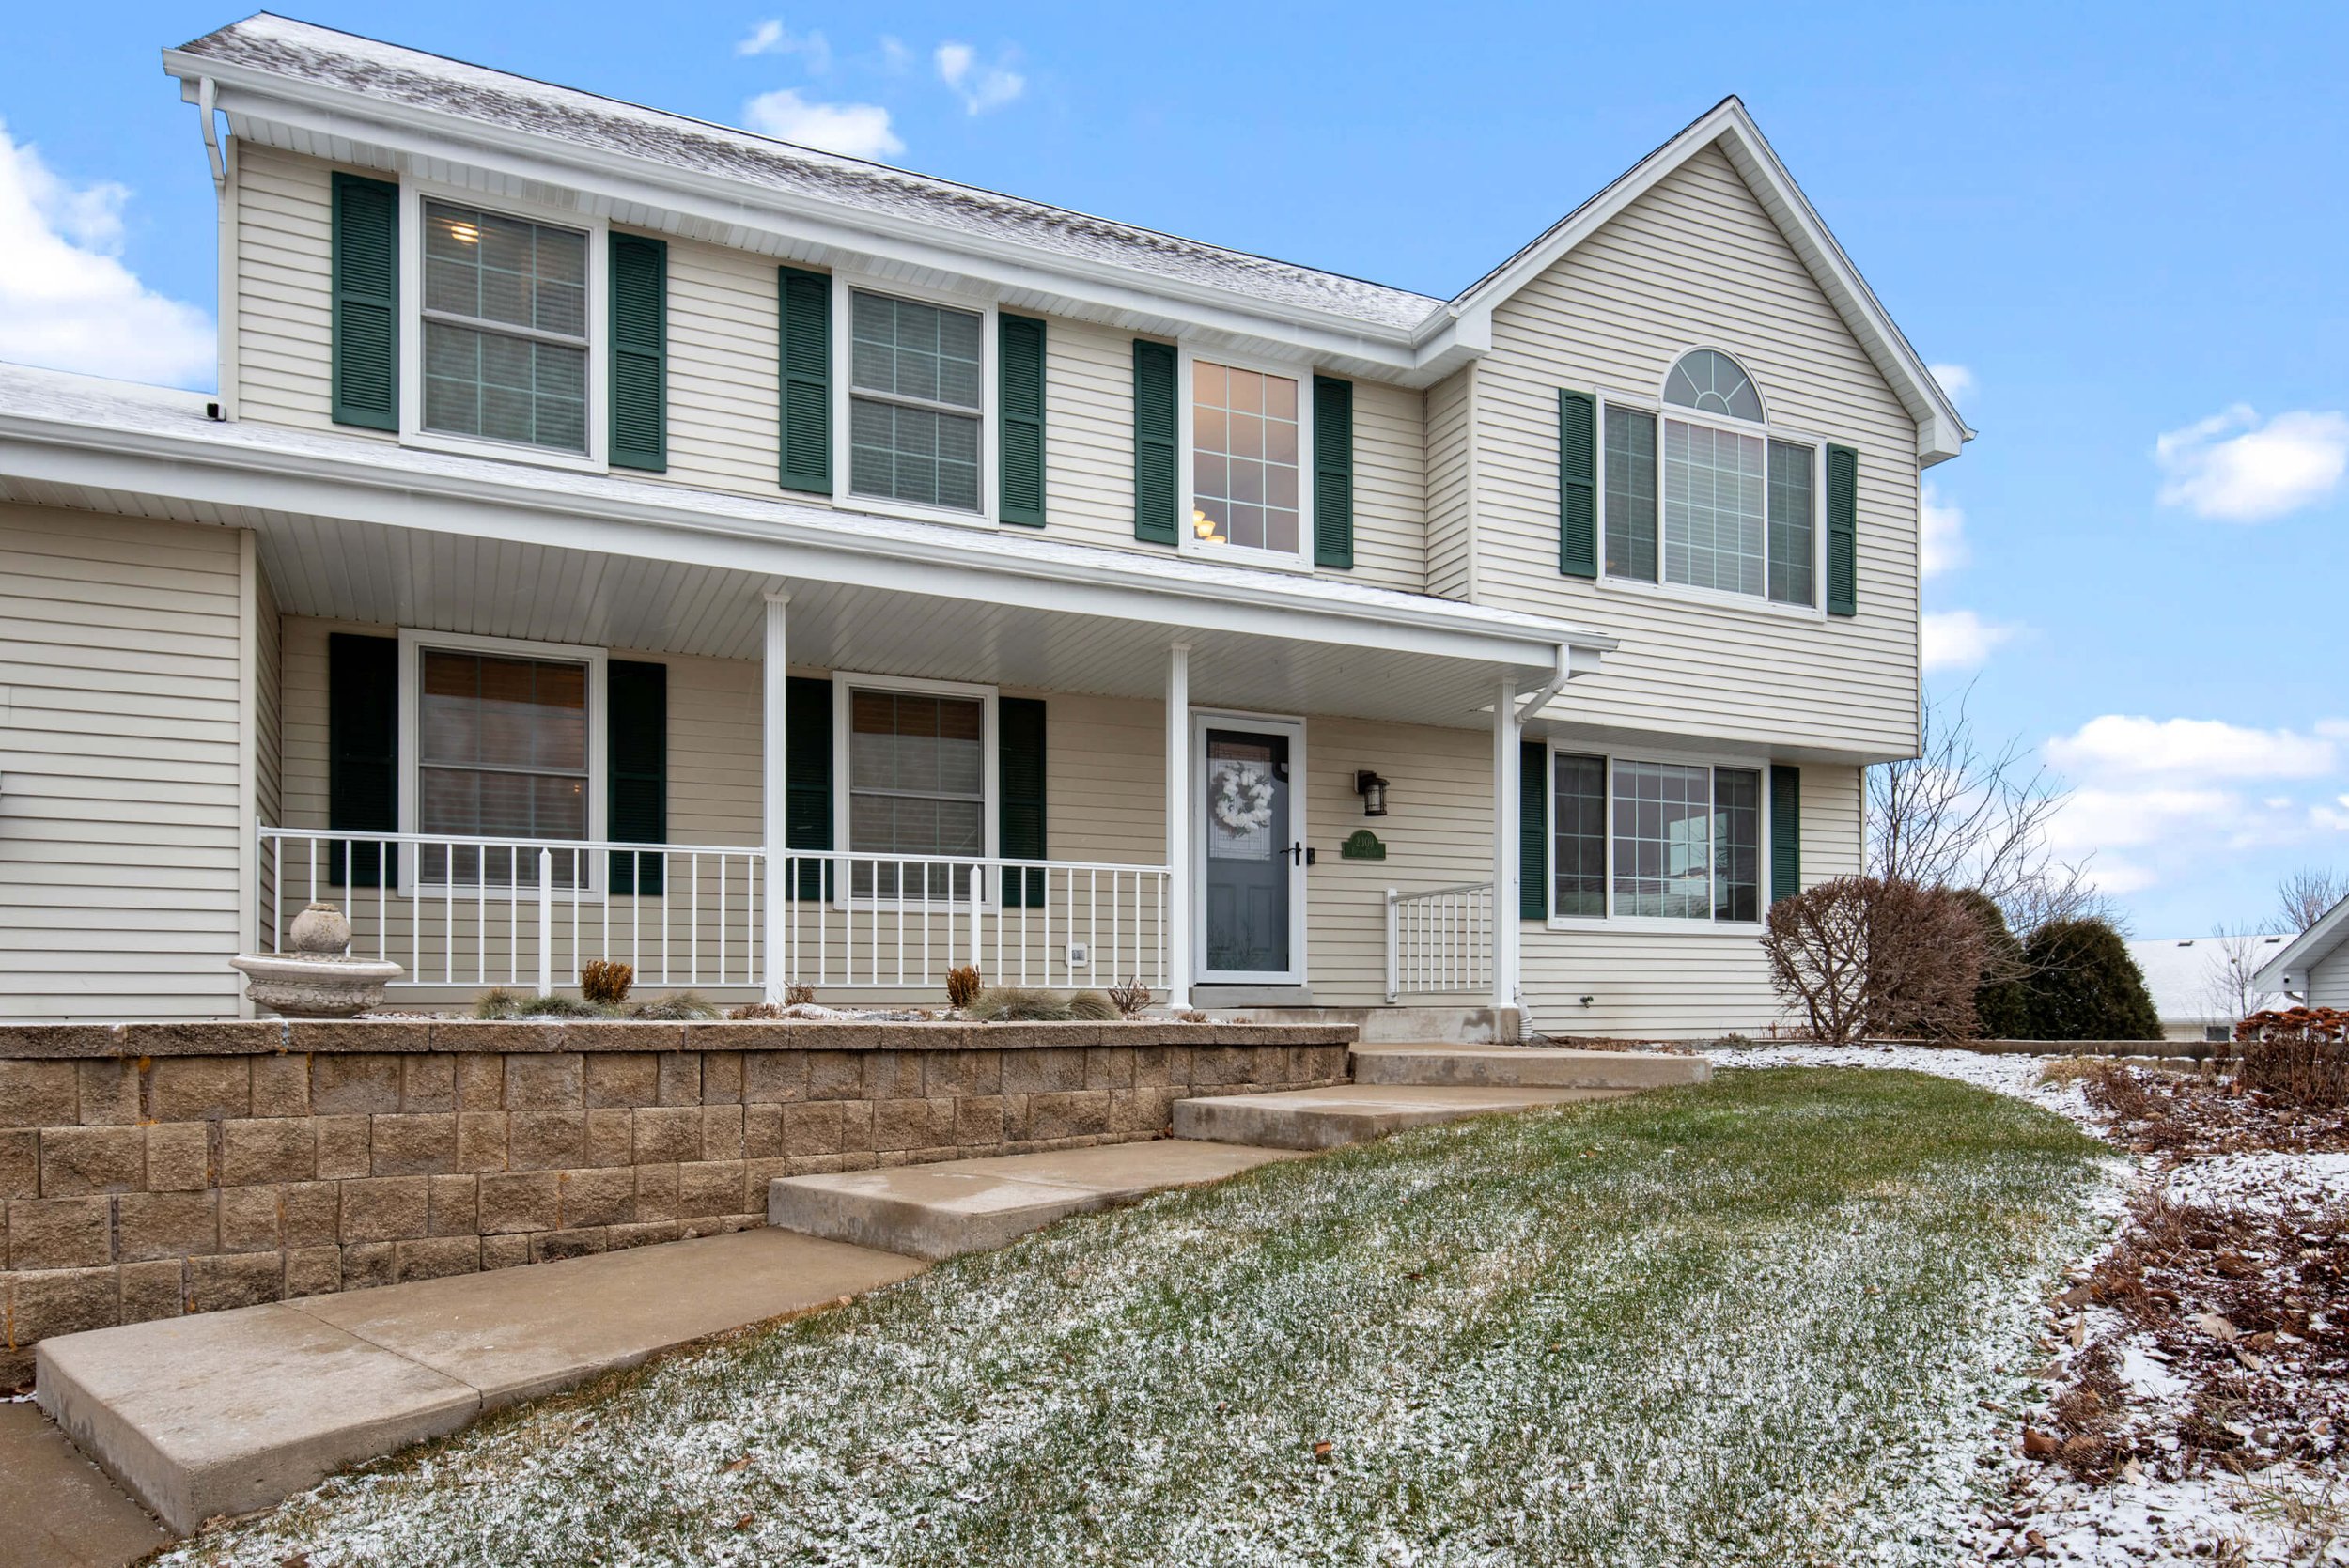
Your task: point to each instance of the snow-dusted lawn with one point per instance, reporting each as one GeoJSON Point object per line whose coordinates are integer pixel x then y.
{"type": "Point", "coordinates": [1750, 1324]}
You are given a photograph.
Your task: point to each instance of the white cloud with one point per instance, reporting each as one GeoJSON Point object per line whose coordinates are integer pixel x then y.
{"type": "Point", "coordinates": [1959, 638]}
{"type": "Point", "coordinates": [2102, 817]}
{"type": "Point", "coordinates": [2117, 878]}
{"type": "Point", "coordinates": [2188, 748]}
{"type": "Point", "coordinates": [1955, 380]}
{"type": "Point", "coordinates": [1944, 532]}
{"type": "Point", "coordinates": [2334, 815]}
{"type": "Point", "coordinates": [65, 299]}
{"type": "Point", "coordinates": [857, 130]}
{"type": "Point", "coordinates": [896, 57]}
{"type": "Point", "coordinates": [980, 87]}
{"type": "Point", "coordinates": [2232, 467]}
{"type": "Point", "coordinates": [772, 37]}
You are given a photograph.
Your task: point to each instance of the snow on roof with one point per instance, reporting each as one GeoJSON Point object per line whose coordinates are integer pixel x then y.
{"type": "Point", "coordinates": [282, 47]}
{"type": "Point", "coordinates": [126, 410]}
{"type": "Point", "coordinates": [2188, 975]}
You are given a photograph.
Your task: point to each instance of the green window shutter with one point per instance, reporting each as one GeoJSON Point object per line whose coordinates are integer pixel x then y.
{"type": "Point", "coordinates": [365, 272]}
{"type": "Point", "coordinates": [807, 778]}
{"type": "Point", "coordinates": [1333, 473]}
{"type": "Point", "coordinates": [1019, 782]}
{"type": "Point", "coordinates": [1155, 502]}
{"type": "Point", "coordinates": [1019, 408]}
{"type": "Point", "coordinates": [640, 353]}
{"type": "Point", "coordinates": [804, 300]}
{"type": "Point", "coordinates": [362, 752]}
{"type": "Point", "coordinates": [636, 756]}
{"type": "Point", "coordinates": [1842, 531]}
{"type": "Point", "coordinates": [1533, 830]}
{"type": "Point", "coordinates": [1578, 484]}
{"type": "Point", "coordinates": [1785, 830]}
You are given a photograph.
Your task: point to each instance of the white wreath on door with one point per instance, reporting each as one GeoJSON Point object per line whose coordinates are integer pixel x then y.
{"type": "Point", "coordinates": [1243, 799]}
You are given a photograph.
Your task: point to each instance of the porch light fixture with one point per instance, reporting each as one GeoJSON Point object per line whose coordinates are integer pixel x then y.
{"type": "Point", "coordinates": [1373, 789]}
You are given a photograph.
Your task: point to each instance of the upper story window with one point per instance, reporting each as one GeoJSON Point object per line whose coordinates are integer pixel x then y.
{"type": "Point", "coordinates": [1246, 432]}
{"type": "Point", "coordinates": [506, 338]}
{"type": "Point", "coordinates": [1721, 502]}
{"type": "Point", "coordinates": [916, 402]}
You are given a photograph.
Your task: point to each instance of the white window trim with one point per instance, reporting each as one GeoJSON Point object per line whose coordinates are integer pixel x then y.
{"type": "Point", "coordinates": [412, 196]}
{"type": "Point", "coordinates": [413, 645]}
{"type": "Point", "coordinates": [1186, 542]}
{"type": "Point", "coordinates": [844, 688]}
{"type": "Point", "coordinates": [848, 283]}
{"type": "Point", "coordinates": [1300, 805]}
{"type": "Point", "coordinates": [1670, 757]}
{"type": "Point", "coordinates": [1662, 588]}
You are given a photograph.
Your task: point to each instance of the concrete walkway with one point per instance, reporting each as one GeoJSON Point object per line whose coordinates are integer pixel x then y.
{"type": "Point", "coordinates": [225, 1412]}
{"type": "Point", "coordinates": [57, 1510]}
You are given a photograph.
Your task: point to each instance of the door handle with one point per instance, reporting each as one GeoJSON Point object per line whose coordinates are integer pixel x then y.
{"type": "Point", "coordinates": [1300, 855]}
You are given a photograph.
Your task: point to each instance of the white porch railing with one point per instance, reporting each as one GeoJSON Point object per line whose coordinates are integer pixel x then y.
{"type": "Point", "coordinates": [898, 921]}
{"type": "Point", "coordinates": [458, 911]}
{"type": "Point", "coordinates": [523, 912]}
{"type": "Point", "coordinates": [1439, 940]}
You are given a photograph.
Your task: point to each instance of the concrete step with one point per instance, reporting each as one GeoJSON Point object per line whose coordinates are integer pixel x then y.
{"type": "Point", "coordinates": [1403, 1024]}
{"type": "Point", "coordinates": [1354, 1113]}
{"type": "Point", "coordinates": [971, 1206]}
{"type": "Point", "coordinates": [1525, 1068]}
{"type": "Point", "coordinates": [225, 1412]}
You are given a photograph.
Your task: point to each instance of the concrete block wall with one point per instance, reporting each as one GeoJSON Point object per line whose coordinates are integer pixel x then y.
{"type": "Point", "coordinates": [152, 1170]}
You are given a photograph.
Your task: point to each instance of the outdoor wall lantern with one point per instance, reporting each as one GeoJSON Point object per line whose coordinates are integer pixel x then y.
{"type": "Point", "coordinates": [1373, 789]}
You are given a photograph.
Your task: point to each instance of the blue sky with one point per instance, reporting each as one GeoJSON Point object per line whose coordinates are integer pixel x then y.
{"type": "Point", "coordinates": [2122, 222]}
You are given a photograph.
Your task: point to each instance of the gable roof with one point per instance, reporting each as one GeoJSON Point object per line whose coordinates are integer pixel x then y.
{"type": "Point", "coordinates": [2289, 969]}
{"type": "Point", "coordinates": [346, 84]}
{"type": "Point", "coordinates": [1940, 429]}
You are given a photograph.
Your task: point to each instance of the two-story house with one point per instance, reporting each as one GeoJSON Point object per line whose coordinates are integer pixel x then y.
{"type": "Point", "coordinates": [622, 536]}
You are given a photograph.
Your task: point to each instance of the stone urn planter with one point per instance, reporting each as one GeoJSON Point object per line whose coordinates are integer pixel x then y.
{"type": "Point", "coordinates": [316, 977]}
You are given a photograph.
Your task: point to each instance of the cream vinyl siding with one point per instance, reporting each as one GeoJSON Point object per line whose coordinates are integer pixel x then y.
{"type": "Point", "coordinates": [120, 806]}
{"type": "Point", "coordinates": [1677, 985]}
{"type": "Point", "coordinates": [1450, 461]}
{"type": "Point", "coordinates": [722, 368]}
{"type": "Point", "coordinates": [1437, 830]}
{"type": "Point", "coordinates": [284, 315]}
{"type": "Point", "coordinates": [1390, 488]}
{"type": "Point", "coordinates": [1698, 261]}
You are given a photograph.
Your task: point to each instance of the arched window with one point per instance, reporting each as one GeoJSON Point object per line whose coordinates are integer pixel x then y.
{"type": "Point", "coordinates": [1710, 382]}
{"type": "Point", "coordinates": [1703, 493]}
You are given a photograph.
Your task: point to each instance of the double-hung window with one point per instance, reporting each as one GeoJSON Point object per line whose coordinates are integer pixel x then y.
{"type": "Point", "coordinates": [1654, 840]}
{"type": "Point", "coordinates": [917, 403]}
{"type": "Point", "coordinates": [506, 348]}
{"type": "Point", "coordinates": [1251, 491]}
{"type": "Point", "coordinates": [919, 787]}
{"type": "Point", "coordinates": [1701, 492]}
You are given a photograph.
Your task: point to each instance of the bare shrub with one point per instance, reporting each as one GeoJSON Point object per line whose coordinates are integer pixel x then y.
{"type": "Point", "coordinates": [605, 981]}
{"type": "Point", "coordinates": [798, 996]}
{"type": "Point", "coordinates": [1131, 997]}
{"type": "Point", "coordinates": [962, 985]}
{"type": "Point", "coordinates": [2303, 897]}
{"type": "Point", "coordinates": [2301, 1057]}
{"type": "Point", "coordinates": [1859, 957]}
{"type": "Point", "coordinates": [751, 1012]}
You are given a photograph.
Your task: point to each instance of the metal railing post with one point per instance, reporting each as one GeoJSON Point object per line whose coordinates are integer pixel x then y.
{"type": "Point", "coordinates": [546, 922]}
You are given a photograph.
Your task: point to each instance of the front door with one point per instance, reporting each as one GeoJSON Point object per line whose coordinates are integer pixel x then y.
{"type": "Point", "coordinates": [1250, 827]}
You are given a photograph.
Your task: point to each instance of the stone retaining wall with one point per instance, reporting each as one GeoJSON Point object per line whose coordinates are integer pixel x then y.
{"type": "Point", "coordinates": [152, 1169]}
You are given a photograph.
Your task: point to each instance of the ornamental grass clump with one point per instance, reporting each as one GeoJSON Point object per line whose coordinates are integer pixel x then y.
{"type": "Point", "coordinates": [674, 1007]}
{"type": "Point", "coordinates": [606, 982]}
{"type": "Point", "coordinates": [963, 985]}
{"type": "Point", "coordinates": [499, 1003]}
{"type": "Point", "coordinates": [1019, 1004]}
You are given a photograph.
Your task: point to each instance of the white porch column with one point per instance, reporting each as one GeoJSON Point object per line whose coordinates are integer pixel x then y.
{"type": "Point", "coordinates": [774, 800]}
{"type": "Point", "coordinates": [1178, 826]}
{"type": "Point", "coordinates": [1506, 738]}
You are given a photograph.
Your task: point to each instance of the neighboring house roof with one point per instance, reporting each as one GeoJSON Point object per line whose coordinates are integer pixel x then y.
{"type": "Point", "coordinates": [2188, 976]}
{"type": "Point", "coordinates": [351, 81]}
{"type": "Point", "coordinates": [2288, 970]}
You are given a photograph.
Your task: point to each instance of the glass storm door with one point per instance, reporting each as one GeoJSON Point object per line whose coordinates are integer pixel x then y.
{"type": "Point", "coordinates": [1250, 860]}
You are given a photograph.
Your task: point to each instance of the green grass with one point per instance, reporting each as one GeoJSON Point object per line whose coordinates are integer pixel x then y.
{"type": "Point", "coordinates": [1747, 1323]}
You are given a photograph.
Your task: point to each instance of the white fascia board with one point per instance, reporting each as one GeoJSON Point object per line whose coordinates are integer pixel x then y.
{"type": "Point", "coordinates": [1941, 432]}
{"type": "Point", "coordinates": [349, 487]}
{"type": "Point", "coordinates": [820, 231]}
{"type": "Point", "coordinates": [2306, 951]}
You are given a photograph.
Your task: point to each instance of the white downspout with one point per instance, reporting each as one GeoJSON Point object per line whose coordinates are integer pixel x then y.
{"type": "Point", "coordinates": [221, 153]}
